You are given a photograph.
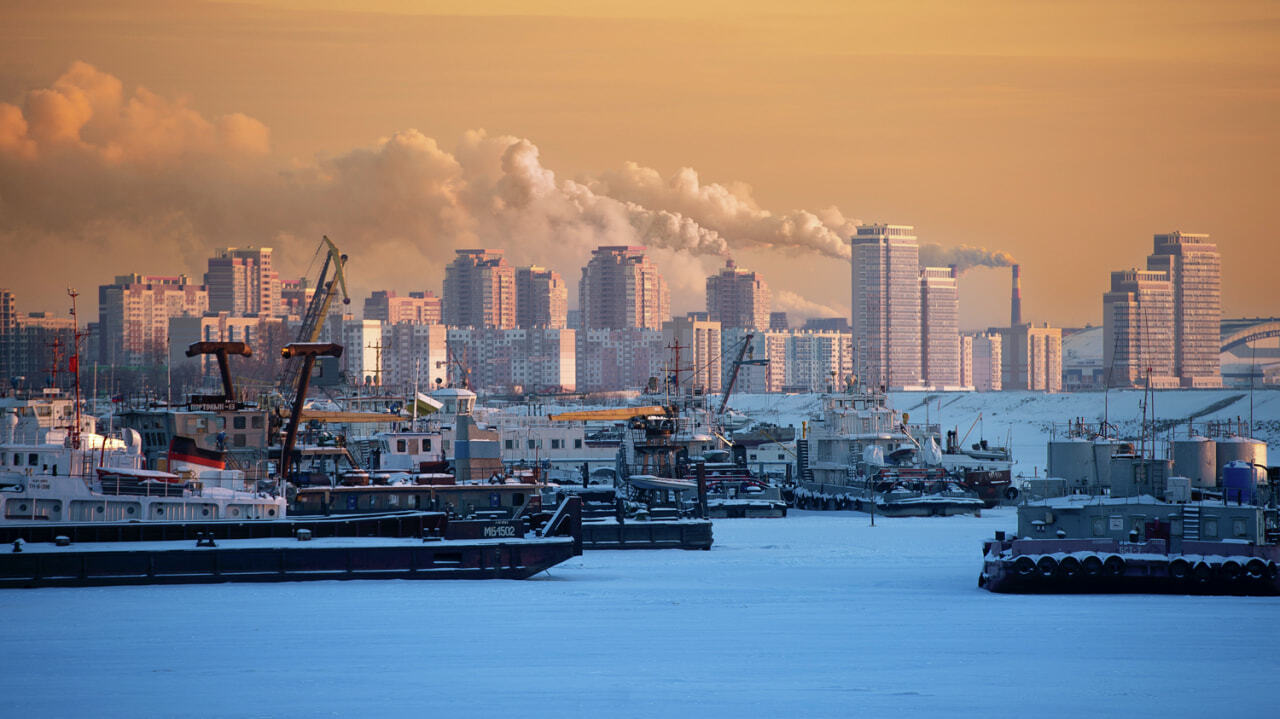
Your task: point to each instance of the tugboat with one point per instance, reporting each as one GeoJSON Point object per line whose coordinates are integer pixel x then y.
{"type": "Point", "coordinates": [861, 454]}
{"type": "Point", "coordinates": [1137, 528]}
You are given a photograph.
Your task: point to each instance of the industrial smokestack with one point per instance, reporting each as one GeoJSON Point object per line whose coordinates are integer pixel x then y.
{"type": "Point", "coordinates": [1015, 300]}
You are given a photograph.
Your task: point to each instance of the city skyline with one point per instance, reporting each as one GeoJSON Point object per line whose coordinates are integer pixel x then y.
{"type": "Point", "coordinates": [193, 148]}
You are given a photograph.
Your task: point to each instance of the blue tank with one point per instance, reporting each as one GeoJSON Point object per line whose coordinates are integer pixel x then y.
{"type": "Point", "coordinates": [1240, 482]}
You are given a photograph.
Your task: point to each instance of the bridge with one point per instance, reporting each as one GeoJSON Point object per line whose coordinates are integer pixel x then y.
{"type": "Point", "coordinates": [1262, 330]}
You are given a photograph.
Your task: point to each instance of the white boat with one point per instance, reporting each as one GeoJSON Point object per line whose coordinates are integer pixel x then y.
{"type": "Point", "coordinates": [55, 467]}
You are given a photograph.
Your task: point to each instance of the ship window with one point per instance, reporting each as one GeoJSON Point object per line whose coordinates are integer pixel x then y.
{"type": "Point", "coordinates": [1237, 526]}
{"type": "Point", "coordinates": [400, 446]}
{"type": "Point", "coordinates": [33, 459]}
{"type": "Point", "coordinates": [17, 460]}
{"type": "Point", "coordinates": [238, 422]}
{"type": "Point", "coordinates": [557, 444]}
{"type": "Point", "coordinates": [1099, 527]}
{"type": "Point", "coordinates": [577, 444]}
{"type": "Point", "coordinates": [782, 456]}
{"type": "Point", "coordinates": [426, 445]}
{"type": "Point", "coordinates": [1211, 528]}
{"type": "Point", "coordinates": [516, 499]}
{"type": "Point", "coordinates": [256, 421]}
{"type": "Point", "coordinates": [530, 444]}
{"type": "Point", "coordinates": [509, 444]}
{"type": "Point", "coordinates": [413, 446]}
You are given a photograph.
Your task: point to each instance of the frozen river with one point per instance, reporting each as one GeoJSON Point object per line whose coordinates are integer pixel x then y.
{"type": "Point", "coordinates": [819, 614]}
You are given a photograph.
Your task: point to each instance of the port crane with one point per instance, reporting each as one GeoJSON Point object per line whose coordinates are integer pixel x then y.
{"type": "Point", "coordinates": [326, 288]}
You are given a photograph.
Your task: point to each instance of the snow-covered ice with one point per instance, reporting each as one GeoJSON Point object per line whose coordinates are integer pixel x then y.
{"type": "Point", "coordinates": [819, 614]}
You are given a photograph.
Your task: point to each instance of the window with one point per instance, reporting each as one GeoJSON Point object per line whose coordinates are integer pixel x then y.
{"type": "Point", "coordinates": [238, 422]}
{"type": "Point", "coordinates": [400, 446]}
{"type": "Point", "coordinates": [256, 421]}
{"type": "Point", "coordinates": [33, 459]}
{"type": "Point", "coordinates": [509, 444]}
{"type": "Point", "coordinates": [577, 444]}
{"type": "Point", "coordinates": [531, 444]}
{"type": "Point", "coordinates": [426, 445]}
{"type": "Point", "coordinates": [1211, 529]}
{"type": "Point", "coordinates": [782, 456]}
{"type": "Point", "coordinates": [1099, 527]}
{"type": "Point", "coordinates": [1237, 525]}
{"type": "Point", "coordinates": [557, 444]}
{"type": "Point", "coordinates": [17, 460]}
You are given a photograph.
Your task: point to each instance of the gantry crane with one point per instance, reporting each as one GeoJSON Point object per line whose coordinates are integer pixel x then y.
{"type": "Point", "coordinates": [318, 309]}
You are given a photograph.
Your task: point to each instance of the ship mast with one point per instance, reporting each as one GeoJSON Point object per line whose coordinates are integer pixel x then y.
{"type": "Point", "coordinates": [75, 366]}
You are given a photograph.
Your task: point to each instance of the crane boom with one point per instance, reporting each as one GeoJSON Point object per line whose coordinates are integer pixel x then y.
{"type": "Point", "coordinates": [318, 309]}
{"type": "Point", "coordinates": [604, 415]}
{"type": "Point", "coordinates": [737, 365]}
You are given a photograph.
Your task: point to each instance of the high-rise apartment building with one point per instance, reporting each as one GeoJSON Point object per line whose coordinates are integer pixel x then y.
{"type": "Point", "coordinates": [985, 361]}
{"type": "Point", "coordinates": [622, 289]}
{"type": "Point", "coordinates": [421, 308]}
{"type": "Point", "coordinates": [134, 314]}
{"type": "Point", "coordinates": [696, 365]}
{"type": "Point", "coordinates": [940, 327]}
{"type": "Point", "coordinates": [769, 346]}
{"type": "Point", "coordinates": [818, 361]}
{"type": "Point", "coordinates": [779, 321]}
{"type": "Point", "coordinates": [241, 281]}
{"type": "Point", "coordinates": [886, 305]}
{"type": "Point", "coordinates": [1138, 329]}
{"type": "Point", "coordinates": [1030, 357]}
{"type": "Point", "coordinates": [295, 297]}
{"type": "Point", "coordinates": [1194, 268]}
{"type": "Point", "coordinates": [8, 323]}
{"type": "Point", "coordinates": [738, 298]}
{"type": "Point", "coordinates": [516, 360]}
{"type": "Point", "coordinates": [542, 298]}
{"type": "Point", "coordinates": [625, 359]}
{"type": "Point", "coordinates": [480, 290]}
{"type": "Point", "coordinates": [414, 356]}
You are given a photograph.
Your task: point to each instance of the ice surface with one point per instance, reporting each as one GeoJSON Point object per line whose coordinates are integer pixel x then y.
{"type": "Point", "coordinates": [818, 614]}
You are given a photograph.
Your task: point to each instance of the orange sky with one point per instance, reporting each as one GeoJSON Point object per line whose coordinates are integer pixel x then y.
{"type": "Point", "coordinates": [1064, 133]}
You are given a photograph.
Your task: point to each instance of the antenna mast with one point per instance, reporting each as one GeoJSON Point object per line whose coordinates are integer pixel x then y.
{"type": "Point", "coordinates": [75, 366]}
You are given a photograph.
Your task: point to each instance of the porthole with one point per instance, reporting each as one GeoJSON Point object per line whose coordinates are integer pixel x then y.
{"type": "Point", "coordinates": [129, 510]}
{"type": "Point", "coordinates": [22, 507]}
{"type": "Point", "coordinates": [159, 509]}
{"type": "Point", "coordinates": [204, 512]}
{"type": "Point", "coordinates": [271, 512]}
{"type": "Point", "coordinates": [235, 512]}
{"type": "Point", "coordinates": [99, 509]}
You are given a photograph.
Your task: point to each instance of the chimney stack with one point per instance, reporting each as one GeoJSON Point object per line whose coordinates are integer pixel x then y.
{"type": "Point", "coordinates": [1015, 300]}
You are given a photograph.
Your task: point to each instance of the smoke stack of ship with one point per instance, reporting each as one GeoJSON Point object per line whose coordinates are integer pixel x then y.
{"type": "Point", "coordinates": [1015, 300]}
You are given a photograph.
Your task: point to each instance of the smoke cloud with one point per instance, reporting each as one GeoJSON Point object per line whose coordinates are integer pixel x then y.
{"type": "Point", "coordinates": [963, 257]}
{"type": "Point", "coordinates": [110, 182]}
{"type": "Point", "coordinates": [800, 308]}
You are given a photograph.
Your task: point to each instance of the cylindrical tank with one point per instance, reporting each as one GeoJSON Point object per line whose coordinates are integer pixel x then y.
{"type": "Point", "coordinates": [1240, 481]}
{"type": "Point", "coordinates": [1240, 449]}
{"type": "Point", "coordinates": [1196, 457]}
{"type": "Point", "coordinates": [1072, 460]}
{"type": "Point", "coordinates": [1103, 451]}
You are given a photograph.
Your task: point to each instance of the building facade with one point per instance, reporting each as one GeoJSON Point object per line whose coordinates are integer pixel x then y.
{"type": "Point", "coordinates": [622, 289]}
{"type": "Point", "coordinates": [695, 367]}
{"type": "Point", "coordinates": [738, 298]}
{"type": "Point", "coordinates": [515, 360]}
{"type": "Point", "coordinates": [625, 359]}
{"type": "Point", "coordinates": [421, 308]}
{"type": "Point", "coordinates": [886, 305]}
{"type": "Point", "coordinates": [134, 314]}
{"type": "Point", "coordinates": [985, 361]}
{"type": "Point", "coordinates": [542, 299]}
{"type": "Point", "coordinates": [480, 290]}
{"type": "Point", "coordinates": [1030, 357]}
{"type": "Point", "coordinates": [1194, 268]}
{"type": "Point", "coordinates": [242, 281]}
{"type": "Point", "coordinates": [940, 327]}
{"type": "Point", "coordinates": [414, 356]}
{"type": "Point", "coordinates": [1138, 330]}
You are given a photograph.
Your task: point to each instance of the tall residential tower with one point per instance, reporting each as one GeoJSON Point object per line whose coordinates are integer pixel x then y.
{"type": "Point", "coordinates": [886, 305]}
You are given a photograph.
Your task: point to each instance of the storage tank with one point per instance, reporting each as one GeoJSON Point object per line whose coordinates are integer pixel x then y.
{"type": "Point", "coordinates": [1196, 458]}
{"type": "Point", "coordinates": [1240, 482]}
{"type": "Point", "coordinates": [1103, 451]}
{"type": "Point", "coordinates": [1072, 460]}
{"type": "Point", "coordinates": [1240, 449]}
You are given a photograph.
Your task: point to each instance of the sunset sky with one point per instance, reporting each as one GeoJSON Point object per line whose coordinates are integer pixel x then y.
{"type": "Point", "coordinates": [136, 138]}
